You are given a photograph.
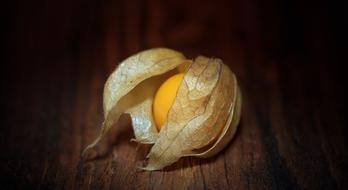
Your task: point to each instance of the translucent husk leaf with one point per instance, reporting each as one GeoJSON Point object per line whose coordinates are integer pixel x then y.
{"type": "Point", "coordinates": [228, 132]}
{"type": "Point", "coordinates": [130, 89]}
{"type": "Point", "coordinates": [203, 117]}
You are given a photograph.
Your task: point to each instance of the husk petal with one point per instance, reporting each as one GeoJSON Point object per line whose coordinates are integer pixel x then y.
{"type": "Point", "coordinates": [198, 123]}
{"type": "Point", "coordinates": [130, 89]}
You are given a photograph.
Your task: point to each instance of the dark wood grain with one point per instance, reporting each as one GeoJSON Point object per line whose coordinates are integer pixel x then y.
{"type": "Point", "coordinates": [289, 57]}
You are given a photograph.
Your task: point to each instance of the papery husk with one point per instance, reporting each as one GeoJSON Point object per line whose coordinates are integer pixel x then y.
{"type": "Point", "coordinates": [204, 115]}
{"type": "Point", "coordinates": [202, 119]}
{"type": "Point", "coordinates": [130, 89]}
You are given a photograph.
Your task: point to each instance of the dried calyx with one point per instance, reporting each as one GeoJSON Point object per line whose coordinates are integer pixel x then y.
{"type": "Point", "coordinates": [202, 116]}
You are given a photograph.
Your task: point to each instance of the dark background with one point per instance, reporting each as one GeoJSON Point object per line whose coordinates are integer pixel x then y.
{"type": "Point", "coordinates": [289, 57]}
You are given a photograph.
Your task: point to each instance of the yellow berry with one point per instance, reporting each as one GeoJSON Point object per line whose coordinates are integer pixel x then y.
{"type": "Point", "coordinates": [164, 98]}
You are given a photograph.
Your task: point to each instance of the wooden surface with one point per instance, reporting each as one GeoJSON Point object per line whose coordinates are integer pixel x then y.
{"type": "Point", "coordinates": [58, 54]}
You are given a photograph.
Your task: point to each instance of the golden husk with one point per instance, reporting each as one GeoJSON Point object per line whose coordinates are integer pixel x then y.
{"type": "Point", "coordinates": [204, 115]}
